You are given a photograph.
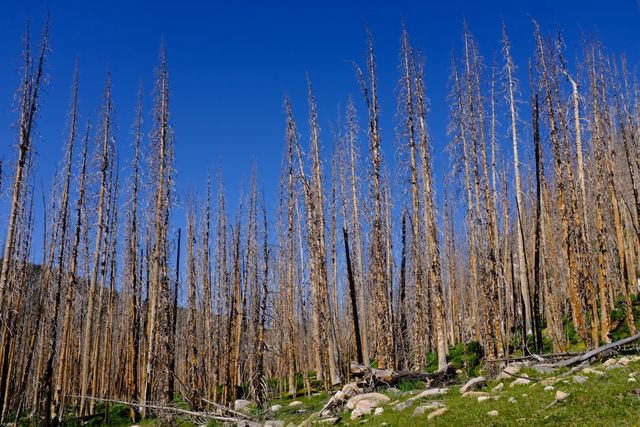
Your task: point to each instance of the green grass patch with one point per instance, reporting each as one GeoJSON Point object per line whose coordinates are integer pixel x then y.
{"type": "Point", "coordinates": [600, 401]}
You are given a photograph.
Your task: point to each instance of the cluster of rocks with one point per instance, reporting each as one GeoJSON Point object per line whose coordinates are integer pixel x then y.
{"type": "Point", "coordinates": [353, 399]}
{"type": "Point", "coordinates": [365, 404]}
{"type": "Point", "coordinates": [435, 408]}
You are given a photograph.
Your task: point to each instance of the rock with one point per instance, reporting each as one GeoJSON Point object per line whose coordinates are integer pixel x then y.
{"type": "Point", "coordinates": [273, 423]}
{"type": "Point", "coordinates": [483, 398]}
{"type": "Point", "coordinates": [475, 394]}
{"type": "Point", "coordinates": [403, 405]}
{"type": "Point", "coordinates": [493, 413]}
{"type": "Point", "coordinates": [512, 400]}
{"type": "Point", "coordinates": [631, 380]}
{"type": "Point", "coordinates": [430, 392]}
{"type": "Point", "coordinates": [624, 361]}
{"type": "Point", "coordinates": [525, 395]}
{"type": "Point", "coordinates": [549, 388]}
{"type": "Point", "coordinates": [247, 423]}
{"type": "Point", "coordinates": [428, 406]}
{"type": "Point", "coordinates": [549, 381]}
{"type": "Point", "coordinates": [609, 362]}
{"type": "Point", "coordinates": [241, 405]}
{"type": "Point", "coordinates": [275, 408]}
{"type": "Point", "coordinates": [633, 374]}
{"type": "Point", "coordinates": [437, 413]}
{"type": "Point", "coordinates": [420, 410]}
{"type": "Point", "coordinates": [505, 374]}
{"type": "Point", "coordinates": [357, 413]}
{"type": "Point", "coordinates": [590, 371]}
{"type": "Point", "coordinates": [561, 395]}
{"type": "Point", "coordinates": [497, 388]}
{"type": "Point", "coordinates": [459, 372]}
{"type": "Point", "coordinates": [295, 404]}
{"type": "Point", "coordinates": [377, 398]}
{"type": "Point", "coordinates": [330, 420]}
{"type": "Point", "coordinates": [366, 406]}
{"type": "Point", "coordinates": [579, 379]}
{"type": "Point", "coordinates": [524, 380]}
{"type": "Point", "coordinates": [473, 384]}
{"type": "Point", "coordinates": [363, 407]}
{"type": "Point", "coordinates": [378, 411]}
{"type": "Point", "coordinates": [635, 358]}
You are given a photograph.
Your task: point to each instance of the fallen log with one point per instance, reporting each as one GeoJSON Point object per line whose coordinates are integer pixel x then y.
{"type": "Point", "coordinates": [377, 377]}
{"type": "Point", "coordinates": [194, 415]}
{"type": "Point", "coordinates": [548, 356]}
{"type": "Point", "coordinates": [588, 355]}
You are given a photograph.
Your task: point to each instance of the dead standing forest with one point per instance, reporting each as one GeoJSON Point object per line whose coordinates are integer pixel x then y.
{"type": "Point", "coordinates": [534, 247]}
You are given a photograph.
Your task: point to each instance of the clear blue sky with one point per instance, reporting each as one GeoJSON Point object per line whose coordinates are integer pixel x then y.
{"type": "Point", "coordinates": [232, 62]}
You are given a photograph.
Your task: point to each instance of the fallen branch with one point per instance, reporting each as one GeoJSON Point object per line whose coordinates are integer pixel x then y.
{"type": "Point", "coordinates": [549, 356]}
{"type": "Point", "coordinates": [588, 355]}
{"type": "Point", "coordinates": [225, 409]}
{"type": "Point", "coordinates": [195, 414]}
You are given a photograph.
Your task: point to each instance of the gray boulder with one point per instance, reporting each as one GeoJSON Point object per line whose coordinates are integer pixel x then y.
{"type": "Point", "coordinates": [242, 405]}
{"type": "Point", "coordinates": [473, 384]}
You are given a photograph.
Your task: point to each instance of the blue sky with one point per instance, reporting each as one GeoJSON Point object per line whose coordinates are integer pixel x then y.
{"type": "Point", "coordinates": [231, 63]}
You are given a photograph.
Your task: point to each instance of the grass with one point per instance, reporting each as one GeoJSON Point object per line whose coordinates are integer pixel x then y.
{"type": "Point", "coordinates": [600, 401]}
{"type": "Point", "coordinates": [299, 414]}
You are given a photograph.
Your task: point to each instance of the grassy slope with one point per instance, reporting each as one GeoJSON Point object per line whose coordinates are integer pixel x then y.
{"type": "Point", "coordinates": [609, 400]}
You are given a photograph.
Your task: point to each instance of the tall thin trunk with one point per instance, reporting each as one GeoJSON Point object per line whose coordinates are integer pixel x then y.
{"type": "Point", "coordinates": [522, 265]}
{"type": "Point", "coordinates": [105, 138]}
{"type": "Point", "coordinates": [52, 408]}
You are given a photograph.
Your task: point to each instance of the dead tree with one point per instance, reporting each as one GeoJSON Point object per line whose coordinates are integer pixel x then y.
{"type": "Point", "coordinates": [48, 388]}
{"type": "Point", "coordinates": [105, 140]}
{"type": "Point", "coordinates": [29, 98]}
{"type": "Point", "coordinates": [511, 84]}
{"type": "Point", "coordinates": [132, 265]}
{"type": "Point", "coordinates": [377, 272]}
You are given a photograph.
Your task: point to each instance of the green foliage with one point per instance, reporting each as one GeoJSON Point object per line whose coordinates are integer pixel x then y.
{"type": "Point", "coordinates": [179, 402]}
{"type": "Point", "coordinates": [118, 415]}
{"type": "Point", "coordinates": [466, 356]}
{"type": "Point", "coordinates": [431, 362]}
{"type": "Point", "coordinates": [620, 328]}
{"type": "Point", "coordinates": [569, 331]}
{"type": "Point", "coordinates": [409, 385]}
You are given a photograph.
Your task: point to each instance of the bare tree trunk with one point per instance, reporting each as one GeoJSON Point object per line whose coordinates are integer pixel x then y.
{"type": "Point", "coordinates": [379, 281]}
{"type": "Point", "coordinates": [104, 169]}
{"type": "Point", "coordinates": [355, 224]}
{"type": "Point", "coordinates": [522, 266]}
{"type": "Point", "coordinates": [134, 278]}
{"type": "Point", "coordinates": [51, 415]}
{"type": "Point", "coordinates": [28, 95]}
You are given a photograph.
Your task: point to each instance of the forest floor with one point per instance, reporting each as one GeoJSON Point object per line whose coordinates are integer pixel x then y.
{"type": "Point", "coordinates": [604, 394]}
